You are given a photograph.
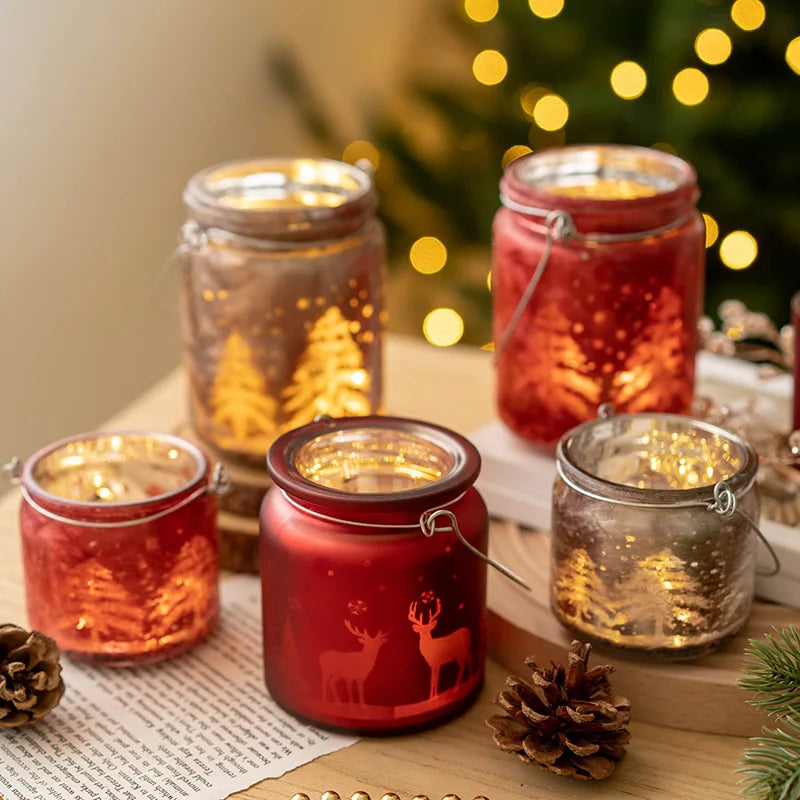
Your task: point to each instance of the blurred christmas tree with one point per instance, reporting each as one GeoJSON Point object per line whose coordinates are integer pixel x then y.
{"type": "Point", "coordinates": [713, 81]}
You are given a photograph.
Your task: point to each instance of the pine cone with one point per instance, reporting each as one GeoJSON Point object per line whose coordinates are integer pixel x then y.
{"type": "Point", "coordinates": [30, 676]}
{"type": "Point", "coordinates": [567, 721]}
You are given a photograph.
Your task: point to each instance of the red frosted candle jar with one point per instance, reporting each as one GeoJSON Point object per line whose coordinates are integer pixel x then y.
{"type": "Point", "coordinates": [119, 543]}
{"type": "Point", "coordinates": [615, 236]}
{"type": "Point", "coordinates": [374, 611]}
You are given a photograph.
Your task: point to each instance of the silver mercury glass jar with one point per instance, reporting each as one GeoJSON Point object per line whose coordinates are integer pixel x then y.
{"type": "Point", "coordinates": [282, 264]}
{"type": "Point", "coordinates": [654, 534]}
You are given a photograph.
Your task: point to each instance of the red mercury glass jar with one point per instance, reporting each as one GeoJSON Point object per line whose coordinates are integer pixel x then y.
{"type": "Point", "coordinates": [613, 318]}
{"type": "Point", "coordinates": [119, 545]}
{"type": "Point", "coordinates": [373, 622]}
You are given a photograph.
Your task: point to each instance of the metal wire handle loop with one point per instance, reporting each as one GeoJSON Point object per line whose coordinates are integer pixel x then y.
{"type": "Point", "coordinates": [219, 484]}
{"type": "Point", "coordinates": [427, 522]}
{"type": "Point", "coordinates": [725, 505]}
{"type": "Point", "coordinates": [560, 227]}
{"type": "Point", "coordinates": [12, 469]}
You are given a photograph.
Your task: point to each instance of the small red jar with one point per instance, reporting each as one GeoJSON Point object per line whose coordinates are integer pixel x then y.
{"type": "Point", "coordinates": [119, 546]}
{"type": "Point", "coordinates": [618, 247]}
{"type": "Point", "coordinates": [374, 611]}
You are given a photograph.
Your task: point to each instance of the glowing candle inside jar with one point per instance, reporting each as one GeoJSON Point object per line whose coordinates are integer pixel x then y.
{"type": "Point", "coordinates": [120, 546]}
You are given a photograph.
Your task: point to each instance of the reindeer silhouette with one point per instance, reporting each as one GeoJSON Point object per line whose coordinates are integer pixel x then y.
{"type": "Point", "coordinates": [442, 650]}
{"type": "Point", "coordinates": [351, 666]}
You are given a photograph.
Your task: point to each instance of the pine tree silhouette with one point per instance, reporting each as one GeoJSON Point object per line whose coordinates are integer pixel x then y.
{"type": "Point", "coordinates": [105, 609]}
{"type": "Point", "coordinates": [661, 593]}
{"type": "Point", "coordinates": [238, 397]}
{"type": "Point", "coordinates": [557, 380]}
{"type": "Point", "coordinates": [581, 594]}
{"type": "Point", "coordinates": [330, 378]}
{"type": "Point", "coordinates": [184, 597]}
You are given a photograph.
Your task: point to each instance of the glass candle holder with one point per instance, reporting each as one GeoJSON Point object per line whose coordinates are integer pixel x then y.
{"type": "Point", "coordinates": [119, 545]}
{"type": "Point", "coordinates": [374, 608]}
{"type": "Point", "coordinates": [281, 298]}
{"type": "Point", "coordinates": [654, 534]}
{"type": "Point", "coordinates": [597, 281]}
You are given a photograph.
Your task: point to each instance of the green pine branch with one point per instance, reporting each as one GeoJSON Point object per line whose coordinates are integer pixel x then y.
{"type": "Point", "coordinates": [771, 766]}
{"type": "Point", "coordinates": [773, 673]}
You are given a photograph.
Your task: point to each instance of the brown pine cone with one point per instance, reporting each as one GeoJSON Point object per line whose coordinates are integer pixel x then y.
{"type": "Point", "coordinates": [566, 721]}
{"type": "Point", "coordinates": [30, 676]}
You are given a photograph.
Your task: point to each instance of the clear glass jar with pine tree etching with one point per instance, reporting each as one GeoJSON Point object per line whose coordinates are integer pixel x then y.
{"type": "Point", "coordinates": [281, 298]}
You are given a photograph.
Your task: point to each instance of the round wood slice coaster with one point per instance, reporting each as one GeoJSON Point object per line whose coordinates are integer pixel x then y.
{"type": "Point", "coordinates": [700, 695]}
{"type": "Point", "coordinates": [249, 483]}
{"type": "Point", "coordinates": [238, 543]}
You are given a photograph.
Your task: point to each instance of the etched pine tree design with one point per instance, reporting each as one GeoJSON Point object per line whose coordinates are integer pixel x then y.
{"type": "Point", "coordinates": [330, 377]}
{"type": "Point", "coordinates": [184, 595]}
{"type": "Point", "coordinates": [560, 367]}
{"type": "Point", "coordinates": [581, 594]}
{"type": "Point", "coordinates": [661, 351]}
{"type": "Point", "coordinates": [238, 396]}
{"type": "Point", "coordinates": [660, 597]}
{"type": "Point", "coordinates": [106, 611]}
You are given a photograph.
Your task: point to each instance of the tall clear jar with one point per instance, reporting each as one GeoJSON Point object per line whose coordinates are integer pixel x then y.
{"type": "Point", "coordinates": [654, 534]}
{"type": "Point", "coordinates": [281, 298]}
{"type": "Point", "coordinates": [597, 281]}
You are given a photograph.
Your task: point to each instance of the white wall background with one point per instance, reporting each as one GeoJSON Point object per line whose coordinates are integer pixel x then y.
{"type": "Point", "coordinates": [106, 108]}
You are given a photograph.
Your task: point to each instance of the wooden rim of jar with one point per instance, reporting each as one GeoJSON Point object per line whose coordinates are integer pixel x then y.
{"type": "Point", "coordinates": [626, 494]}
{"type": "Point", "coordinates": [410, 502]}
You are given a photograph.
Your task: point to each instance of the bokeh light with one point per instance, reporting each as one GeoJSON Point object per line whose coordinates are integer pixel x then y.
{"type": "Point", "coordinates": [551, 112]}
{"type": "Point", "coordinates": [514, 152]}
{"type": "Point", "coordinates": [793, 54]}
{"type": "Point", "coordinates": [443, 327]}
{"type": "Point", "coordinates": [530, 96]}
{"type": "Point", "coordinates": [713, 46]}
{"type": "Point", "coordinates": [481, 10]}
{"type": "Point", "coordinates": [489, 67]}
{"type": "Point", "coordinates": [690, 86]}
{"type": "Point", "coordinates": [427, 255]}
{"type": "Point", "coordinates": [546, 9]}
{"type": "Point", "coordinates": [361, 149]}
{"type": "Point", "coordinates": [712, 229]}
{"type": "Point", "coordinates": [489, 280]}
{"type": "Point", "coordinates": [748, 14]}
{"type": "Point", "coordinates": [628, 80]}
{"type": "Point", "coordinates": [738, 250]}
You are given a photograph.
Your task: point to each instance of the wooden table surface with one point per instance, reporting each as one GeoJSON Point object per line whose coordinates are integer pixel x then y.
{"type": "Point", "coordinates": [452, 387]}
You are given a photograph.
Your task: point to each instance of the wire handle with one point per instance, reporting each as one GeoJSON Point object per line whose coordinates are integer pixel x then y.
{"type": "Point", "coordinates": [725, 505]}
{"type": "Point", "coordinates": [12, 469]}
{"type": "Point", "coordinates": [427, 522]}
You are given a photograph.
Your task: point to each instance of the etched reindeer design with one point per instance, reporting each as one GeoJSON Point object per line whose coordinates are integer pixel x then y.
{"type": "Point", "coordinates": [442, 650]}
{"type": "Point", "coordinates": [351, 666]}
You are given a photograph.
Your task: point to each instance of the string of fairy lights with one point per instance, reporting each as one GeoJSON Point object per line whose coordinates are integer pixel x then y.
{"type": "Point", "coordinates": [549, 111]}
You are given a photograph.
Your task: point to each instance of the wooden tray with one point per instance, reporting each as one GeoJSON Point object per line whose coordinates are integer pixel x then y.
{"type": "Point", "coordinates": [699, 695]}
